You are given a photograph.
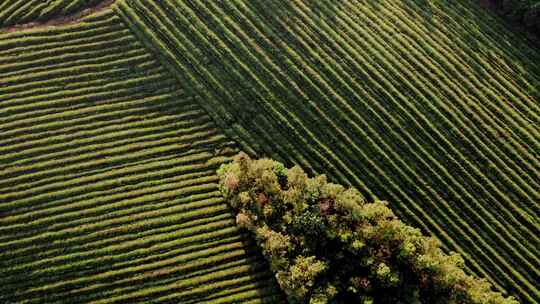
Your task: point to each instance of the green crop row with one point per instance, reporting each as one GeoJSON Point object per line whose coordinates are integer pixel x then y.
{"type": "Point", "coordinates": [392, 105]}
{"type": "Point", "coordinates": [108, 183]}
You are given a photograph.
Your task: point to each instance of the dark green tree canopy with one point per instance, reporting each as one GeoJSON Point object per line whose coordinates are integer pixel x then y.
{"type": "Point", "coordinates": [525, 12]}
{"type": "Point", "coordinates": [326, 244]}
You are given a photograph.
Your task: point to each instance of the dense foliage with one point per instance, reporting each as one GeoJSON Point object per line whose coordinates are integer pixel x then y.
{"type": "Point", "coordinates": [326, 244]}
{"type": "Point", "coordinates": [526, 12]}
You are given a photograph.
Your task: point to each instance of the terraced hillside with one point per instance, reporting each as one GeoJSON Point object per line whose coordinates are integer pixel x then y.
{"type": "Point", "coordinates": [430, 105]}
{"type": "Point", "coordinates": [108, 191]}
{"type": "Point", "coordinates": [111, 130]}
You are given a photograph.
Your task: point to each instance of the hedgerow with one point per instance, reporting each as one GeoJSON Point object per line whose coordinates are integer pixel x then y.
{"type": "Point", "coordinates": [327, 244]}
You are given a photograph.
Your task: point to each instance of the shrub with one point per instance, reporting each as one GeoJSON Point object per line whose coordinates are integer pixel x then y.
{"type": "Point", "coordinates": [326, 244]}
{"type": "Point", "coordinates": [525, 12]}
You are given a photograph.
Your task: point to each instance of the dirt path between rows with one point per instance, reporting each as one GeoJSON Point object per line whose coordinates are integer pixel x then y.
{"type": "Point", "coordinates": [60, 20]}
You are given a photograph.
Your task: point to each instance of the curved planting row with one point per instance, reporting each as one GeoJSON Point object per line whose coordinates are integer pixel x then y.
{"type": "Point", "coordinates": [108, 188]}
{"type": "Point", "coordinates": [413, 102]}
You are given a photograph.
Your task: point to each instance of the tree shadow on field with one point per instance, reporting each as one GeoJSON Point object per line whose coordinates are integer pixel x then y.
{"type": "Point", "coordinates": [251, 247]}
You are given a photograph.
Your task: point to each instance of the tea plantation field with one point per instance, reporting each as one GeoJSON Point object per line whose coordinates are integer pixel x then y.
{"type": "Point", "coordinates": [111, 129]}
{"type": "Point", "coordinates": [108, 188]}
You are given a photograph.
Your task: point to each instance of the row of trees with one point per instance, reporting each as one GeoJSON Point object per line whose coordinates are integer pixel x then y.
{"type": "Point", "coordinates": [526, 12]}
{"type": "Point", "coordinates": [326, 244]}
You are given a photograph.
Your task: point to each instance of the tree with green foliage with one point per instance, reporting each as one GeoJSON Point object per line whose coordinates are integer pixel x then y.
{"type": "Point", "coordinates": [327, 244]}
{"type": "Point", "coordinates": [525, 12]}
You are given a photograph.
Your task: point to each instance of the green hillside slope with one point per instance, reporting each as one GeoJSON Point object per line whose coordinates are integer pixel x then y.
{"type": "Point", "coordinates": [108, 191]}
{"type": "Point", "coordinates": [430, 105]}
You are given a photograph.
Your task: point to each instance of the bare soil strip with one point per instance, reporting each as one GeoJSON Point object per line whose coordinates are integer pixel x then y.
{"type": "Point", "coordinates": [61, 20]}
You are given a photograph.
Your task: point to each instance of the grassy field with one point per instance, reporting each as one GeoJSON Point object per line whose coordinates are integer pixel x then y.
{"type": "Point", "coordinates": [111, 129]}
{"type": "Point", "coordinates": [108, 188]}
